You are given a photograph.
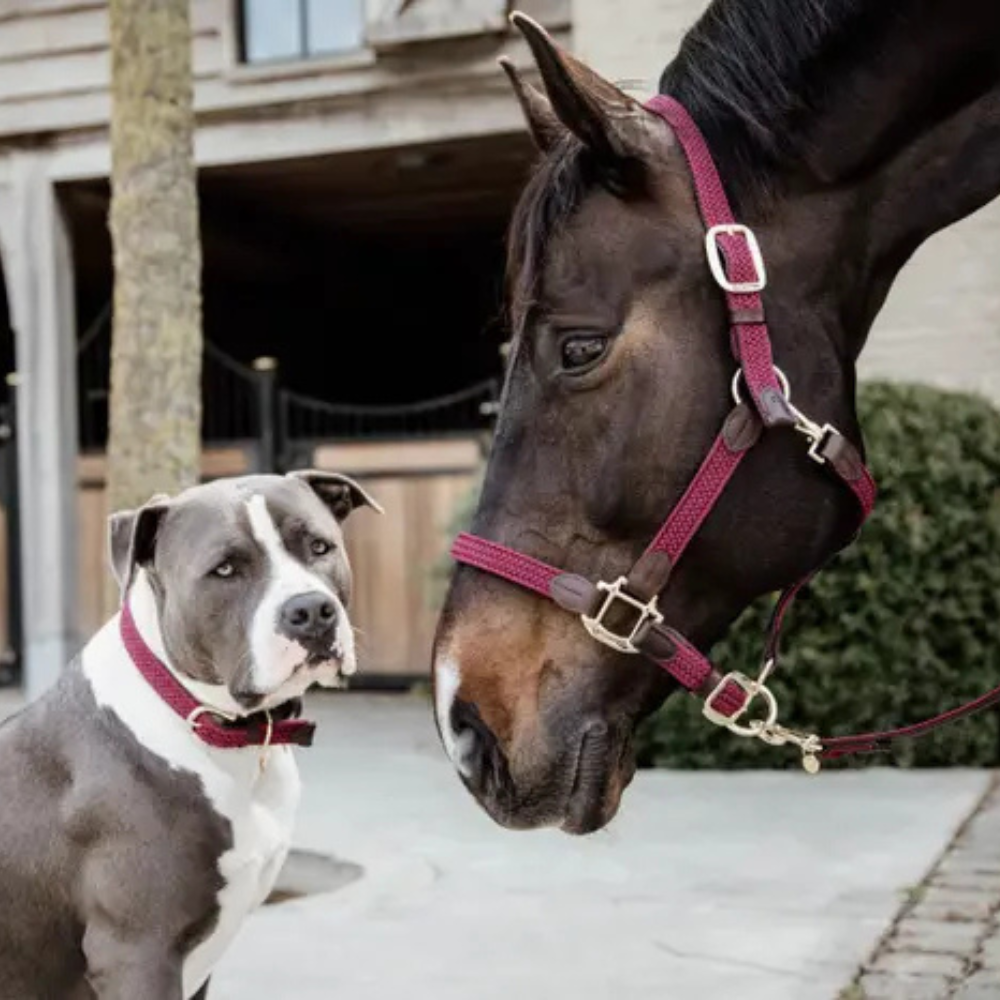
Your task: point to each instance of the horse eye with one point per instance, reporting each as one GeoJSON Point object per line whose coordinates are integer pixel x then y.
{"type": "Point", "coordinates": [319, 547]}
{"type": "Point", "coordinates": [224, 570]}
{"type": "Point", "coordinates": [579, 352]}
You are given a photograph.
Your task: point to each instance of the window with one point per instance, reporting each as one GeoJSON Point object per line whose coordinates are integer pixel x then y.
{"type": "Point", "coordinates": [300, 29]}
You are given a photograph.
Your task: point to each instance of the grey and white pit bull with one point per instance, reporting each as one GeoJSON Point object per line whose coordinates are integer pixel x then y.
{"type": "Point", "coordinates": [145, 808]}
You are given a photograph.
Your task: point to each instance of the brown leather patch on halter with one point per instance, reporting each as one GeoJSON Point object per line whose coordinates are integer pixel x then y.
{"type": "Point", "coordinates": [574, 593]}
{"type": "Point", "coordinates": [650, 574]}
{"type": "Point", "coordinates": [844, 457]}
{"type": "Point", "coordinates": [655, 642]}
{"type": "Point", "coordinates": [742, 428]}
{"type": "Point", "coordinates": [774, 409]}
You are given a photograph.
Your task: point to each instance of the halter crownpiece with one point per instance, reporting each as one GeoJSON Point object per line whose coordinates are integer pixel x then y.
{"type": "Point", "coordinates": [737, 265]}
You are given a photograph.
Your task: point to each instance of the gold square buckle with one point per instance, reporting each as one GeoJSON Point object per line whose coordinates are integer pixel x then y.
{"type": "Point", "coordinates": [616, 592]}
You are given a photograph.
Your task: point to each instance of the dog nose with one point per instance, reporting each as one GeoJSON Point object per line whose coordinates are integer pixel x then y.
{"type": "Point", "coordinates": [308, 616]}
{"type": "Point", "coordinates": [479, 758]}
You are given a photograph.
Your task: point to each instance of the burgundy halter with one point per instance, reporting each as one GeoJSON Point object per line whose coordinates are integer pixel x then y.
{"type": "Point", "coordinates": [736, 263]}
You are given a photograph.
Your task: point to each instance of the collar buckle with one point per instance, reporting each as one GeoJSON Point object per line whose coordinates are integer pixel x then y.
{"type": "Point", "coordinates": [193, 717]}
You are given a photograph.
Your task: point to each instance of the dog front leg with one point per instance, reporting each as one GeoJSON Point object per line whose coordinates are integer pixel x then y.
{"type": "Point", "coordinates": [119, 969]}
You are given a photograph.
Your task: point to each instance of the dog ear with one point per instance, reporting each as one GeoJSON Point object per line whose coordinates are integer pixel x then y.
{"type": "Point", "coordinates": [132, 539]}
{"type": "Point", "coordinates": [340, 493]}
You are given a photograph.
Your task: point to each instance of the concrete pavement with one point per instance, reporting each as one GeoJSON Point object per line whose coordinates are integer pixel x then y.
{"type": "Point", "coordinates": [709, 885]}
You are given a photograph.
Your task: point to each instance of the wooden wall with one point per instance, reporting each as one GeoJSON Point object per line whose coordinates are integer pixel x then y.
{"type": "Point", "coordinates": [393, 556]}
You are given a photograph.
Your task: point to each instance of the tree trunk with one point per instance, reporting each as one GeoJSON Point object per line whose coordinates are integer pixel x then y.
{"type": "Point", "coordinates": [155, 414]}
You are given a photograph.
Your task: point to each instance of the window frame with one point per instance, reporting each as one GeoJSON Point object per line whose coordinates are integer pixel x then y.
{"type": "Point", "coordinates": [304, 56]}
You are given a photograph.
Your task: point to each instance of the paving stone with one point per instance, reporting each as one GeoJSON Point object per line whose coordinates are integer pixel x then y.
{"type": "Point", "coordinates": [947, 947]}
{"type": "Point", "coordinates": [919, 963]}
{"type": "Point", "coordinates": [973, 909]}
{"type": "Point", "coordinates": [977, 861]}
{"type": "Point", "coordinates": [975, 881]}
{"type": "Point", "coordinates": [955, 896]}
{"type": "Point", "coordinates": [990, 952]}
{"type": "Point", "coordinates": [878, 986]}
{"type": "Point", "coordinates": [944, 936]}
{"type": "Point", "coordinates": [981, 985]}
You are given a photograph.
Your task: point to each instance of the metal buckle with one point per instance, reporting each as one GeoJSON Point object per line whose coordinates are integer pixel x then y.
{"type": "Point", "coordinates": [752, 688]}
{"type": "Point", "coordinates": [814, 433]}
{"type": "Point", "coordinates": [200, 710]}
{"type": "Point", "coordinates": [767, 730]}
{"type": "Point", "coordinates": [817, 434]}
{"type": "Point", "coordinates": [616, 592]}
{"type": "Point", "coordinates": [782, 378]}
{"type": "Point", "coordinates": [717, 266]}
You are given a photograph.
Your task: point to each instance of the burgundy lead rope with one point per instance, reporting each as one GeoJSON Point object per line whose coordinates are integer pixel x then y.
{"type": "Point", "coordinates": [737, 265]}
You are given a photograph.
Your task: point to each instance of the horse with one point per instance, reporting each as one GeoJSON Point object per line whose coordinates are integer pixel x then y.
{"type": "Point", "coordinates": [844, 133]}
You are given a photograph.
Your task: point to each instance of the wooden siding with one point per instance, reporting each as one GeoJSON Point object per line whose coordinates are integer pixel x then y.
{"type": "Point", "coordinates": [394, 557]}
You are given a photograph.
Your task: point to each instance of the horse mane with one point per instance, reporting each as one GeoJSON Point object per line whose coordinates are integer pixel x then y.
{"type": "Point", "coordinates": [750, 73]}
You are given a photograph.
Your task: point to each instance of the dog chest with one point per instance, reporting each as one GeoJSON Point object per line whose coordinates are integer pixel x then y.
{"type": "Point", "coordinates": [262, 825]}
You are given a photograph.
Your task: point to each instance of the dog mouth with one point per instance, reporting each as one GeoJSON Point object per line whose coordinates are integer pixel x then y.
{"type": "Point", "coordinates": [329, 666]}
{"type": "Point", "coordinates": [604, 766]}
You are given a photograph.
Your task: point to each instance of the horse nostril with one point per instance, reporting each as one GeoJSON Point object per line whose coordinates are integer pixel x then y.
{"type": "Point", "coordinates": [476, 747]}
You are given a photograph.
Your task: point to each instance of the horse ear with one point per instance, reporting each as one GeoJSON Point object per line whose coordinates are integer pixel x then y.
{"type": "Point", "coordinates": [607, 121]}
{"type": "Point", "coordinates": [544, 126]}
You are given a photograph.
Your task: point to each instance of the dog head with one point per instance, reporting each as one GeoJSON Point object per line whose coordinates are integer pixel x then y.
{"type": "Point", "coordinates": [250, 580]}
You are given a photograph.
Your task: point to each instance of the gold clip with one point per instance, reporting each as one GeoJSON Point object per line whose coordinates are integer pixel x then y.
{"type": "Point", "coordinates": [767, 730]}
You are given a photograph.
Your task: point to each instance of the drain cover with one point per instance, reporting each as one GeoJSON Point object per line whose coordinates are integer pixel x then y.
{"type": "Point", "coordinates": [308, 873]}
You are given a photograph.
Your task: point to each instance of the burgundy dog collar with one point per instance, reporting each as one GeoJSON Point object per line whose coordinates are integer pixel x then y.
{"type": "Point", "coordinates": [273, 727]}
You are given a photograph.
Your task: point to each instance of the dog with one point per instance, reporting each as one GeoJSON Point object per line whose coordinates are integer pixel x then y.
{"type": "Point", "coordinates": [147, 800]}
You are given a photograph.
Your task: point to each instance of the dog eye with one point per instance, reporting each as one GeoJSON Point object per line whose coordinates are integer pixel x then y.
{"type": "Point", "coordinates": [224, 570]}
{"type": "Point", "coordinates": [318, 547]}
{"type": "Point", "coordinates": [583, 352]}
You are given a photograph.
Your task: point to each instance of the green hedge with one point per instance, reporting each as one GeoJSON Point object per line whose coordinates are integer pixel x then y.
{"type": "Point", "coordinates": [904, 623]}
